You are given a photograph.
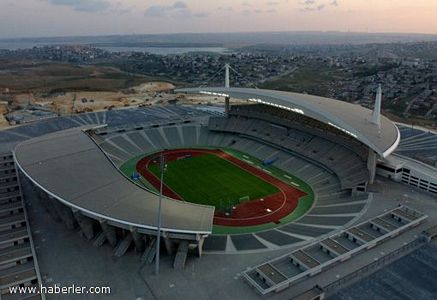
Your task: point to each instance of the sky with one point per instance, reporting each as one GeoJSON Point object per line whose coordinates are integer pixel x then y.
{"type": "Point", "coordinates": [41, 18]}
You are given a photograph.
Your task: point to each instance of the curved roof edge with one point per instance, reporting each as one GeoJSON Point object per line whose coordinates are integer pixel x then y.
{"type": "Point", "coordinates": [43, 169]}
{"type": "Point", "coordinates": [350, 118]}
{"type": "Point", "coordinates": [394, 146]}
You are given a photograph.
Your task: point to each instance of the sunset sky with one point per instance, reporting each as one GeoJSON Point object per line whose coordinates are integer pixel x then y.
{"type": "Point", "coordinates": [33, 18]}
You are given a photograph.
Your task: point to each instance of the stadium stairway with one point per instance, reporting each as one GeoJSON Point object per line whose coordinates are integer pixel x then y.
{"type": "Point", "coordinates": [18, 264]}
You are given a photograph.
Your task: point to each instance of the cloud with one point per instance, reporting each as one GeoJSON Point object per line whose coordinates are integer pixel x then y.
{"type": "Point", "coordinates": [179, 5]}
{"type": "Point", "coordinates": [177, 9]}
{"type": "Point", "coordinates": [257, 11]}
{"type": "Point", "coordinates": [227, 8]}
{"type": "Point", "coordinates": [156, 11]}
{"type": "Point", "coordinates": [199, 15]}
{"type": "Point", "coordinates": [118, 8]}
{"type": "Point", "coordinates": [334, 3]}
{"type": "Point", "coordinates": [84, 5]}
{"type": "Point", "coordinates": [313, 5]}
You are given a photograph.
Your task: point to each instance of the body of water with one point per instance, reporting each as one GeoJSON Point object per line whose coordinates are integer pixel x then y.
{"type": "Point", "coordinates": [166, 50]}
{"type": "Point", "coordinates": [154, 50]}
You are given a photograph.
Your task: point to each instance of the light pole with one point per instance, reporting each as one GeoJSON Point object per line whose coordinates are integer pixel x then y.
{"type": "Point", "coordinates": [158, 234]}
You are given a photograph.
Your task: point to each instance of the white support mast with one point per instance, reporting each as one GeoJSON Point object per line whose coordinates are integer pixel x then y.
{"type": "Point", "coordinates": [376, 116]}
{"type": "Point", "coordinates": [227, 86]}
{"type": "Point", "coordinates": [227, 76]}
{"type": "Point", "coordinates": [376, 119]}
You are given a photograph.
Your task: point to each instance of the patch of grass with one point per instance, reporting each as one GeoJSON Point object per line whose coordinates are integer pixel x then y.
{"type": "Point", "coordinates": [313, 78]}
{"type": "Point", "coordinates": [210, 180]}
{"type": "Point", "coordinates": [45, 77]}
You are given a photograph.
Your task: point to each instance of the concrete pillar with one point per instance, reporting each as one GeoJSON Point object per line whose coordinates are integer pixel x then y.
{"type": "Point", "coordinates": [111, 234]}
{"type": "Point", "coordinates": [124, 245]}
{"type": "Point", "coordinates": [181, 255]}
{"type": "Point", "coordinates": [200, 245]}
{"type": "Point", "coordinates": [65, 213]}
{"type": "Point", "coordinates": [169, 245]}
{"type": "Point", "coordinates": [150, 251]}
{"type": "Point", "coordinates": [85, 224]}
{"type": "Point", "coordinates": [48, 205]}
{"type": "Point", "coordinates": [371, 165]}
{"type": "Point", "coordinates": [227, 106]}
{"type": "Point", "coordinates": [100, 239]}
{"type": "Point", "coordinates": [354, 192]}
{"type": "Point", "coordinates": [139, 241]}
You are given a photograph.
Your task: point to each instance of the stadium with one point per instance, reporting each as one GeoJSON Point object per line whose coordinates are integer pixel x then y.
{"type": "Point", "coordinates": [274, 171]}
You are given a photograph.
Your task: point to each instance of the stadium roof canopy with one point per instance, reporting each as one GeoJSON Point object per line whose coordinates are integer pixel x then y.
{"type": "Point", "coordinates": [69, 166]}
{"type": "Point", "coordinates": [350, 118]}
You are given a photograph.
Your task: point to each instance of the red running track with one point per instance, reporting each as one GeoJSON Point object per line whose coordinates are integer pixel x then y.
{"type": "Point", "coordinates": [256, 212]}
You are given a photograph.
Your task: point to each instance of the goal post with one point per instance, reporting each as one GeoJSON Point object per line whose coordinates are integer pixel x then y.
{"type": "Point", "coordinates": [225, 206]}
{"type": "Point", "coordinates": [243, 199]}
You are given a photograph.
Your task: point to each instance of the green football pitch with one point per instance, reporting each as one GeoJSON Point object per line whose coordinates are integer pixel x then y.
{"type": "Point", "coordinates": [211, 180]}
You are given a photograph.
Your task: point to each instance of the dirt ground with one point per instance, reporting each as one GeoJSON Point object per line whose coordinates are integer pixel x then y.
{"type": "Point", "coordinates": [153, 87]}
{"type": "Point", "coordinates": [3, 123]}
{"type": "Point", "coordinates": [85, 101]}
{"type": "Point", "coordinates": [205, 99]}
{"type": "Point", "coordinates": [65, 89]}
